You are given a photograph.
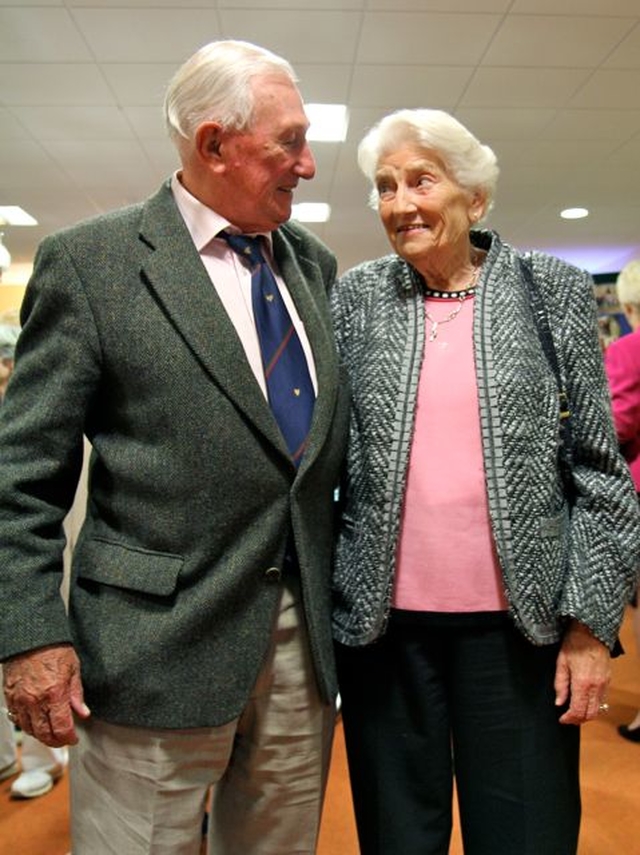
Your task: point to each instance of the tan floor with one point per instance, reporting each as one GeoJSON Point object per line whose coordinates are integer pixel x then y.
{"type": "Point", "coordinates": [610, 776]}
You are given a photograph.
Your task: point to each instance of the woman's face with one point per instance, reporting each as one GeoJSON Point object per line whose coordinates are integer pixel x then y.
{"type": "Point", "coordinates": [424, 211]}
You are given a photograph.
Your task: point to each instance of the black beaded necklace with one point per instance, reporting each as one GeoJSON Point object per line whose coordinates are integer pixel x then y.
{"type": "Point", "coordinates": [449, 295]}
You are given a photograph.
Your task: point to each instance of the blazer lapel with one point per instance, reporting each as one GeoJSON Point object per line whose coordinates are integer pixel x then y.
{"type": "Point", "coordinates": [174, 271]}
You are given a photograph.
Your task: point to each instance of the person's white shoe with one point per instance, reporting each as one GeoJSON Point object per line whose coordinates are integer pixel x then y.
{"type": "Point", "coordinates": [36, 782]}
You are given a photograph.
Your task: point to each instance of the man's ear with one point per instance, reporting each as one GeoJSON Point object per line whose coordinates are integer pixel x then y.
{"type": "Point", "coordinates": [209, 141]}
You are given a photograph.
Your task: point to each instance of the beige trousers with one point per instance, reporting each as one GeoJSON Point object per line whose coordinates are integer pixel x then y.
{"type": "Point", "coordinates": [138, 791]}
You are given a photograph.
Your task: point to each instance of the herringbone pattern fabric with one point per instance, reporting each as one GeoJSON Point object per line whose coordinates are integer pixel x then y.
{"type": "Point", "coordinates": [556, 561]}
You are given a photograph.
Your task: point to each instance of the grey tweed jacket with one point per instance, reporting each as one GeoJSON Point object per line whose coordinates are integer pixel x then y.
{"type": "Point", "coordinates": [192, 493]}
{"type": "Point", "coordinates": [558, 559]}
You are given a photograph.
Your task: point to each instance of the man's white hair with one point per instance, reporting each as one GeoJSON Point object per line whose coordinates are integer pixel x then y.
{"type": "Point", "coordinates": [215, 85]}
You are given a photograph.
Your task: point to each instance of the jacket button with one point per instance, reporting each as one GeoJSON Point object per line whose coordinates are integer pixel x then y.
{"type": "Point", "coordinates": [273, 574]}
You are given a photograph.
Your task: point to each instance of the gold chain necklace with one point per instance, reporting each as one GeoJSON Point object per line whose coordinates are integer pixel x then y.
{"type": "Point", "coordinates": [460, 296]}
{"type": "Point", "coordinates": [433, 333]}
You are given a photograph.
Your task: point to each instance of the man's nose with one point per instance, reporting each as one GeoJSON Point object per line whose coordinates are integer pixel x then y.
{"type": "Point", "coordinates": [306, 167]}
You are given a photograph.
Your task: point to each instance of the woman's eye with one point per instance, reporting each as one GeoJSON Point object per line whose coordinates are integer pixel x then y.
{"type": "Point", "coordinates": [385, 191]}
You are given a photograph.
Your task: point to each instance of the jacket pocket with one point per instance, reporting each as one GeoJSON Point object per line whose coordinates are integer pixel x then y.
{"type": "Point", "coordinates": [120, 566]}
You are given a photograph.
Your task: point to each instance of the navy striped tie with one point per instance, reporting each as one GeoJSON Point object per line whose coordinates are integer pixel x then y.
{"type": "Point", "coordinates": [289, 386]}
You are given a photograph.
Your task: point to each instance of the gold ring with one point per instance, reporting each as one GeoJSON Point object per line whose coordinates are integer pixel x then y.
{"type": "Point", "coordinates": [11, 716]}
{"type": "Point", "coordinates": [603, 708]}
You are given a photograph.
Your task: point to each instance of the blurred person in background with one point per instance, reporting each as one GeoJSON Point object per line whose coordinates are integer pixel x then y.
{"type": "Point", "coordinates": [622, 363]}
{"type": "Point", "coordinates": [481, 576]}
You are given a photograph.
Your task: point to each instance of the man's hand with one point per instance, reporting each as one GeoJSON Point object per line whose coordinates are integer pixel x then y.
{"type": "Point", "coordinates": [583, 672]}
{"type": "Point", "coordinates": [43, 691]}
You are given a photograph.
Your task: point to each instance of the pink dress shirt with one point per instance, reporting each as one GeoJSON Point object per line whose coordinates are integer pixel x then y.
{"type": "Point", "coordinates": [232, 279]}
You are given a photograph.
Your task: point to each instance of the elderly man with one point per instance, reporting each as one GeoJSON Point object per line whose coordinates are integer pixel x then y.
{"type": "Point", "coordinates": [189, 339]}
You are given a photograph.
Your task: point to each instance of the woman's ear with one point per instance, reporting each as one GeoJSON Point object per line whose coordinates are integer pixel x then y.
{"type": "Point", "coordinates": [477, 206]}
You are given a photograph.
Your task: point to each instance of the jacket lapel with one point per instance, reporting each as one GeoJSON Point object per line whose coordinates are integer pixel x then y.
{"type": "Point", "coordinates": [174, 271]}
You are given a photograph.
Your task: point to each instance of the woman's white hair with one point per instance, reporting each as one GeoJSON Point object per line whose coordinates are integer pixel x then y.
{"type": "Point", "coordinates": [628, 284]}
{"type": "Point", "coordinates": [215, 85]}
{"type": "Point", "coordinates": [469, 163]}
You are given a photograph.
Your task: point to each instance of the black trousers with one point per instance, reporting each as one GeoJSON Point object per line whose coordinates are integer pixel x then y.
{"type": "Point", "coordinates": [429, 701]}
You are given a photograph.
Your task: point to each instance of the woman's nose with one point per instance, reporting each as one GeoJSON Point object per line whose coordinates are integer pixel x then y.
{"type": "Point", "coordinates": [403, 199]}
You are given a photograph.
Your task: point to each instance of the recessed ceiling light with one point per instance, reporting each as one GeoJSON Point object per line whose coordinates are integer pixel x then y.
{"type": "Point", "coordinates": [311, 212]}
{"type": "Point", "coordinates": [328, 122]}
{"type": "Point", "coordinates": [574, 213]}
{"type": "Point", "coordinates": [12, 215]}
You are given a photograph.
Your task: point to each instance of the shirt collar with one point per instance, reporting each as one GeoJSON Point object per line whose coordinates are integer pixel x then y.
{"type": "Point", "coordinates": [203, 222]}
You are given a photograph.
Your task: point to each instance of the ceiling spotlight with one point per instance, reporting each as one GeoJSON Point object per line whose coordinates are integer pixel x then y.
{"type": "Point", "coordinates": [574, 213]}
{"type": "Point", "coordinates": [311, 212]}
{"type": "Point", "coordinates": [327, 122]}
{"type": "Point", "coordinates": [14, 215]}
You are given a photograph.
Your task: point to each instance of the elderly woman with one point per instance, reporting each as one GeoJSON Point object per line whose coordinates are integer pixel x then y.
{"type": "Point", "coordinates": [622, 364]}
{"type": "Point", "coordinates": [481, 575]}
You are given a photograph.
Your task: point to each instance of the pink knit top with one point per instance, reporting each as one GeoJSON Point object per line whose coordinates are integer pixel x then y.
{"type": "Point", "coordinates": [446, 560]}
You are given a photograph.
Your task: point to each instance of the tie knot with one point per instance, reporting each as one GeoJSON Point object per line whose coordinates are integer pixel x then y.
{"type": "Point", "coordinates": [245, 246]}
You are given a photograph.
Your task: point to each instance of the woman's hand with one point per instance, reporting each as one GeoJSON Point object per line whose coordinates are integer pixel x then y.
{"type": "Point", "coordinates": [583, 672]}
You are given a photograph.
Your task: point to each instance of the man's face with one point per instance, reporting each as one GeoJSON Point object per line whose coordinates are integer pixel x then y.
{"type": "Point", "coordinates": [262, 165]}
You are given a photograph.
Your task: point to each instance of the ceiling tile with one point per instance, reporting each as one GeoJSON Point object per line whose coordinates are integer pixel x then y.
{"type": "Point", "coordinates": [52, 84]}
{"type": "Point", "coordinates": [627, 54]}
{"type": "Point", "coordinates": [545, 41]}
{"type": "Point", "coordinates": [504, 123]}
{"type": "Point", "coordinates": [294, 6]}
{"type": "Point", "coordinates": [394, 86]}
{"type": "Point", "coordinates": [162, 156]}
{"type": "Point", "coordinates": [130, 4]}
{"type": "Point", "coordinates": [130, 35]}
{"type": "Point", "coordinates": [427, 38]}
{"type": "Point", "coordinates": [314, 37]}
{"type": "Point", "coordinates": [322, 83]}
{"type": "Point", "coordinates": [522, 87]}
{"type": "Point", "coordinates": [24, 3]}
{"type": "Point", "coordinates": [147, 123]}
{"type": "Point", "coordinates": [118, 167]}
{"type": "Point", "coordinates": [82, 84]}
{"type": "Point", "coordinates": [138, 83]}
{"type": "Point", "coordinates": [10, 127]}
{"type": "Point", "coordinates": [609, 89]}
{"type": "Point", "coordinates": [616, 125]}
{"type": "Point", "coordinates": [40, 35]}
{"type": "Point", "coordinates": [31, 166]}
{"type": "Point", "coordinates": [575, 7]}
{"type": "Point", "coordinates": [440, 5]}
{"type": "Point", "coordinates": [81, 123]}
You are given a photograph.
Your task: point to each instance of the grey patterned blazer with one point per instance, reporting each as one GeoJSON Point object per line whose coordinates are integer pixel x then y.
{"type": "Point", "coordinates": [191, 490]}
{"type": "Point", "coordinates": [557, 560]}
